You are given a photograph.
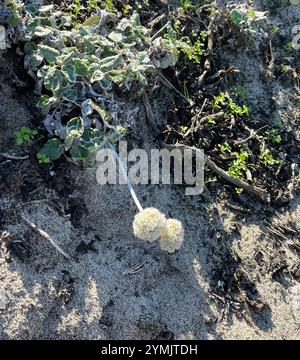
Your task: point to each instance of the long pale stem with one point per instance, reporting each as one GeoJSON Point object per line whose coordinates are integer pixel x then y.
{"type": "Point", "coordinates": [132, 192]}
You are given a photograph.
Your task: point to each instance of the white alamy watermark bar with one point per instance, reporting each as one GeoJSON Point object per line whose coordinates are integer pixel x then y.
{"type": "Point", "coordinates": [159, 166]}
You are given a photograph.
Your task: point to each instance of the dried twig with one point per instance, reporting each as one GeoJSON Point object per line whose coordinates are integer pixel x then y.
{"type": "Point", "coordinates": [194, 120]}
{"type": "Point", "coordinates": [263, 194]}
{"type": "Point", "coordinates": [13, 157]}
{"type": "Point", "coordinates": [168, 84]}
{"type": "Point", "coordinates": [210, 45]}
{"type": "Point", "coordinates": [149, 111]}
{"type": "Point", "coordinates": [134, 269]}
{"type": "Point", "coordinates": [44, 235]}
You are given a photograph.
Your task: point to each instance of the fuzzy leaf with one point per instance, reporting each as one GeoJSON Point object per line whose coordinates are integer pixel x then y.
{"type": "Point", "coordinates": [53, 79]}
{"type": "Point", "coordinates": [49, 54]}
{"type": "Point", "coordinates": [92, 21]}
{"type": "Point", "coordinates": [42, 31]}
{"type": "Point", "coordinates": [70, 94]}
{"type": "Point", "coordinates": [69, 72]}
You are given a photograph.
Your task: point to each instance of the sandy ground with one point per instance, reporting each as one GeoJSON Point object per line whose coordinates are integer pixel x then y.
{"type": "Point", "coordinates": [118, 287]}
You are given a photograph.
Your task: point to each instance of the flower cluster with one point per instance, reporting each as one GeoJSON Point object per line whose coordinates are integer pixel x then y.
{"type": "Point", "coordinates": [151, 225]}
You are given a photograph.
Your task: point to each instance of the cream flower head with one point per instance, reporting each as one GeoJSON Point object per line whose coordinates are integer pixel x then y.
{"type": "Point", "coordinates": [171, 236]}
{"type": "Point", "coordinates": [148, 223]}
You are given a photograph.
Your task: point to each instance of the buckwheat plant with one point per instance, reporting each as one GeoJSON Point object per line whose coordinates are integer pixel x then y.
{"type": "Point", "coordinates": [82, 71]}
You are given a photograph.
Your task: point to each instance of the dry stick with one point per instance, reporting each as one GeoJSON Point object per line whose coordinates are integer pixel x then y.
{"type": "Point", "coordinates": [191, 130]}
{"type": "Point", "coordinates": [43, 234]}
{"type": "Point", "coordinates": [13, 157]}
{"type": "Point", "coordinates": [168, 84]}
{"type": "Point", "coordinates": [263, 194]}
{"type": "Point", "coordinates": [148, 109]}
{"type": "Point", "coordinates": [160, 31]}
{"type": "Point", "coordinates": [207, 64]}
{"type": "Point", "coordinates": [194, 128]}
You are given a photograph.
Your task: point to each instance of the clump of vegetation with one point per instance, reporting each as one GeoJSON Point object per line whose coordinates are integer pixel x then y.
{"type": "Point", "coordinates": [78, 68]}
{"type": "Point", "coordinates": [25, 135]}
{"type": "Point", "coordinates": [248, 19]}
{"type": "Point", "coordinates": [224, 100]}
{"type": "Point", "coordinates": [239, 166]}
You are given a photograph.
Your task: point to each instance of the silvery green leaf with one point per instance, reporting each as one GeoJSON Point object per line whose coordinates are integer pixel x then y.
{"type": "Point", "coordinates": [52, 21]}
{"type": "Point", "coordinates": [33, 23]}
{"type": "Point", "coordinates": [143, 57]}
{"type": "Point", "coordinates": [118, 76]}
{"type": "Point", "coordinates": [79, 152]}
{"type": "Point", "coordinates": [43, 71]}
{"type": "Point", "coordinates": [31, 9]}
{"type": "Point", "coordinates": [51, 124]}
{"type": "Point", "coordinates": [65, 21]}
{"type": "Point", "coordinates": [168, 60]}
{"type": "Point", "coordinates": [35, 60]}
{"type": "Point", "coordinates": [105, 83]}
{"type": "Point", "coordinates": [49, 54]}
{"type": "Point", "coordinates": [105, 115]}
{"type": "Point", "coordinates": [135, 19]}
{"type": "Point", "coordinates": [53, 79]}
{"type": "Point", "coordinates": [30, 47]}
{"type": "Point", "coordinates": [110, 62]}
{"type": "Point", "coordinates": [116, 36]}
{"type": "Point", "coordinates": [89, 47]}
{"type": "Point", "coordinates": [87, 108]}
{"type": "Point", "coordinates": [141, 78]}
{"type": "Point", "coordinates": [236, 17]}
{"type": "Point", "coordinates": [97, 75]}
{"type": "Point", "coordinates": [70, 94]}
{"type": "Point", "coordinates": [69, 72]}
{"type": "Point", "coordinates": [42, 31]}
{"type": "Point", "coordinates": [81, 67]}
{"type": "Point", "coordinates": [46, 100]}
{"type": "Point", "coordinates": [46, 9]}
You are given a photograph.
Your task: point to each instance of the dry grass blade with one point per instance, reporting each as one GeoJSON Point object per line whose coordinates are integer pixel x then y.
{"type": "Point", "coordinates": [13, 157]}
{"type": "Point", "coordinates": [46, 236]}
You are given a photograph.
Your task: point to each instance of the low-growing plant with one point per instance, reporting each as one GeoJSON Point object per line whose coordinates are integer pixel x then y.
{"type": "Point", "coordinates": [42, 158]}
{"type": "Point", "coordinates": [224, 100]}
{"type": "Point", "coordinates": [267, 157]}
{"type": "Point", "coordinates": [78, 68]}
{"type": "Point", "coordinates": [25, 135]}
{"type": "Point", "coordinates": [239, 166]}
{"type": "Point", "coordinates": [194, 51]}
{"type": "Point", "coordinates": [225, 148]}
{"type": "Point", "coordinates": [241, 92]}
{"type": "Point", "coordinates": [273, 136]}
{"type": "Point", "coordinates": [248, 20]}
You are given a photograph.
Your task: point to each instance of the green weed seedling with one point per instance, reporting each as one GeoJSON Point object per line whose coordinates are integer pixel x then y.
{"type": "Point", "coordinates": [25, 136]}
